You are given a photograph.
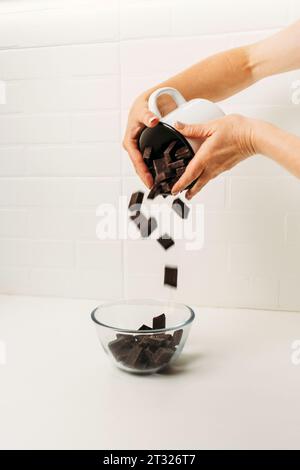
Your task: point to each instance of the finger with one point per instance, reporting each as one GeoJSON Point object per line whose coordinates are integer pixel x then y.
{"type": "Point", "coordinates": [200, 183]}
{"type": "Point", "coordinates": [148, 118]}
{"type": "Point", "coordinates": [192, 172]}
{"type": "Point", "coordinates": [192, 130]}
{"type": "Point", "coordinates": [139, 164]}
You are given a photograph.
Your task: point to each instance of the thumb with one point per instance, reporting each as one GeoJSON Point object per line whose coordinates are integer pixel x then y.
{"type": "Point", "coordinates": [192, 130]}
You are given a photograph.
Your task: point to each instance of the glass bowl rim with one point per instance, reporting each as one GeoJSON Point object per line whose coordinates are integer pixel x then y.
{"type": "Point", "coordinates": [141, 302]}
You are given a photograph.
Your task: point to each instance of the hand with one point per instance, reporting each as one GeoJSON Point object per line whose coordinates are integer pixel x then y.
{"type": "Point", "coordinates": [226, 142]}
{"type": "Point", "coordinates": [139, 117]}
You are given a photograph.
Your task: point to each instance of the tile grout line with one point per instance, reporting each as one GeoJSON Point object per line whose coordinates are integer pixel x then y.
{"type": "Point", "coordinates": [120, 149]}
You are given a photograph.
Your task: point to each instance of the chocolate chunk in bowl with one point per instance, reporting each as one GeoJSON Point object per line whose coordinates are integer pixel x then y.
{"type": "Point", "coordinates": [124, 331]}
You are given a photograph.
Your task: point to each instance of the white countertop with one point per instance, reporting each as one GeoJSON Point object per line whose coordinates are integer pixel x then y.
{"type": "Point", "coordinates": [234, 387]}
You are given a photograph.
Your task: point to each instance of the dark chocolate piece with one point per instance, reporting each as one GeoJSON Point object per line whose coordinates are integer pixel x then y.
{"type": "Point", "coordinates": [163, 356]}
{"type": "Point", "coordinates": [147, 153]}
{"type": "Point", "coordinates": [138, 219]}
{"type": "Point", "coordinates": [133, 356]}
{"type": "Point", "coordinates": [158, 323]}
{"type": "Point", "coordinates": [152, 342]}
{"type": "Point", "coordinates": [163, 176]}
{"type": "Point", "coordinates": [159, 165]}
{"type": "Point", "coordinates": [170, 278]}
{"type": "Point", "coordinates": [165, 337]}
{"type": "Point", "coordinates": [135, 217]}
{"type": "Point", "coordinates": [183, 152]}
{"type": "Point", "coordinates": [167, 152]}
{"type": "Point", "coordinates": [166, 187]}
{"type": "Point", "coordinates": [180, 208]}
{"type": "Point", "coordinates": [147, 227]}
{"type": "Point", "coordinates": [149, 358]}
{"type": "Point", "coordinates": [136, 201]}
{"type": "Point", "coordinates": [154, 192]}
{"type": "Point", "coordinates": [180, 171]}
{"type": "Point", "coordinates": [178, 164]}
{"type": "Point", "coordinates": [145, 327]}
{"type": "Point", "coordinates": [121, 347]}
{"type": "Point", "coordinates": [166, 241]}
{"type": "Point", "coordinates": [142, 338]}
{"type": "Point", "coordinates": [177, 335]}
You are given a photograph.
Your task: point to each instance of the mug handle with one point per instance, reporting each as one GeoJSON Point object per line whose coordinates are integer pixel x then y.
{"type": "Point", "coordinates": [175, 94]}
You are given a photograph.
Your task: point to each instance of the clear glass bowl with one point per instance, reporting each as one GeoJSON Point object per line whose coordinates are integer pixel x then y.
{"type": "Point", "coordinates": [142, 351]}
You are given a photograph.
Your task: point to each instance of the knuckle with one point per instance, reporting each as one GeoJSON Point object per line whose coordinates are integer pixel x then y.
{"type": "Point", "coordinates": [146, 117]}
{"type": "Point", "coordinates": [192, 130]}
{"type": "Point", "coordinates": [235, 118]}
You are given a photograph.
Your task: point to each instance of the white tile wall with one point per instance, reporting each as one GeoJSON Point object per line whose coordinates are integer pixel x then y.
{"type": "Point", "coordinates": [72, 69]}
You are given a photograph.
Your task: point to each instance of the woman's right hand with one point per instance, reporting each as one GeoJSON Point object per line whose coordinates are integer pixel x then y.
{"type": "Point", "coordinates": [138, 118]}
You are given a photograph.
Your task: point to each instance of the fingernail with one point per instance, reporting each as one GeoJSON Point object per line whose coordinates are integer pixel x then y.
{"type": "Point", "coordinates": [174, 193]}
{"type": "Point", "coordinates": [179, 125]}
{"type": "Point", "coordinates": [152, 119]}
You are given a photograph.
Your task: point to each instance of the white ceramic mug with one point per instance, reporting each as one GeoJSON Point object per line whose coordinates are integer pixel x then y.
{"type": "Point", "coordinates": [196, 111]}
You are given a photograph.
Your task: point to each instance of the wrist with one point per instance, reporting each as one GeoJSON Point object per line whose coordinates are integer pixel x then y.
{"type": "Point", "coordinates": [261, 132]}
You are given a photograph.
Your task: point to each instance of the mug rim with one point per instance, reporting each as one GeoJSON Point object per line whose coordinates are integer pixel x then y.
{"type": "Point", "coordinates": [174, 131]}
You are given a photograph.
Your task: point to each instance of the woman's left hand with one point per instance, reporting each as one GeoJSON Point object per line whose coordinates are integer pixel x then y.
{"type": "Point", "coordinates": [225, 142]}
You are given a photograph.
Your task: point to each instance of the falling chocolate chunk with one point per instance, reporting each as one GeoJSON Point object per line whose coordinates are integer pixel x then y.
{"type": "Point", "coordinates": [166, 241]}
{"type": "Point", "coordinates": [148, 227]}
{"type": "Point", "coordinates": [145, 327]}
{"type": "Point", "coordinates": [136, 201]}
{"type": "Point", "coordinates": [145, 226]}
{"type": "Point", "coordinates": [170, 278]}
{"type": "Point", "coordinates": [177, 335]}
{"type": "Point", "coordinates": [180, 208]}
{"type": "Point", "coordinates": [138, 219]}
{"type": "Point", "coordinates": [158, 323]}
{"type": "Point", "coordinates": [147, 153]}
